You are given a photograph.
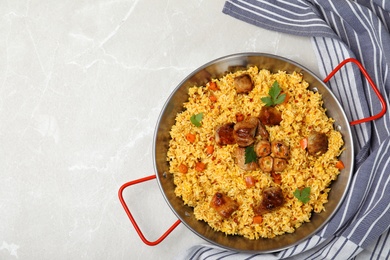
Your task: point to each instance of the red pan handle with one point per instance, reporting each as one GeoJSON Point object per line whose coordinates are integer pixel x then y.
{"type": "Point", "coordinates": [140, 234]}
{"type": "Point", "coordinates": [370, 81]}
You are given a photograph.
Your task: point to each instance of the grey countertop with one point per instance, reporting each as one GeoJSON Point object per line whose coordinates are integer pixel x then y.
{"type": "Point", "coordinates": [82, 86]}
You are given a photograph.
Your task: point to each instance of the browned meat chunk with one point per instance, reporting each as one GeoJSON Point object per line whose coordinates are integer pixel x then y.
{"type": "Point", "coordinates": [279, 164]}
{"type": "Point", "coordinates": [272, 198]}
{"type": "Point", "coordinates": [224, 134]}
{"type": "Point", "coordinates": [245, 131]}
{"type": "Point", "coordinates": [262, 148]}
{"type": "Point", "coordinates": [243, 83]}
{"type": "Point", "coordinates": [262, 131]}
{"type": "Point", "coordinates": [270, 116]}
{"type": "Point", "coordinates": [317, 143]}
{"type": "Point", "coordinates": [266, 163]}
{"type": "Point", "coordinates": [240, 160]}
{"type": "Point", "coordinates": [280, 149]}
{"type": "Point", "coordinates": [223, 204]}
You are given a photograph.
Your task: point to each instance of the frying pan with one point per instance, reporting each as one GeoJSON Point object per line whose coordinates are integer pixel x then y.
{"type": "Point", "coordinates": [174, 105]}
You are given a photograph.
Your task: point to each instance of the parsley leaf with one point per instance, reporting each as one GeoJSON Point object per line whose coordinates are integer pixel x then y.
{"type": "Point", "coordinates": [280, 98]}
{"type": "Point", "coordinates": [196, 119]}
{"type": "Point", "coordinates": [302, 195]}
{"type": "Point", "coordinates": [275, 97]}
{"type": "Point", "coordinates": [275, 90]}
{"type": "Point", "coordinates": [250, 154]}
{"type": "Point", "coordinates": [267, 101]}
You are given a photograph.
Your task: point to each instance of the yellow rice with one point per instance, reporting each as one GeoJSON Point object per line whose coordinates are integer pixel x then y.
{"type": "Point", "coordinates": [302, 113]}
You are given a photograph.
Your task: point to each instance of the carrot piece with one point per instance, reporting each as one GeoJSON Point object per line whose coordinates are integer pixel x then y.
{"type": "Point", "coordinates": [340, 165]}
{"type": "Point", "coordinates": [183, 168]}
{"type": "Point", "coordinates": [250, 181]}
{"type": "Point", "coordinates": [287, 97]}
{"type": "Point", "coordinates": [276, 177]}
{"type": "Point", "coordinates": [213, 98]}
{"type": "Point", "coordinates": [213, 86]}
{"type": "Point", "coordinates": [199, 166]}
{"type": "Point", "coordinates": [190, 137]}
{"type": "Point", "coordinates": [239, 117]}
{"type": "Point", "coordinates": [257, 219]}
{"type": "Point", "coordinates": [209, 149]}
{"type": "Point", "coordinates": [303, 143]}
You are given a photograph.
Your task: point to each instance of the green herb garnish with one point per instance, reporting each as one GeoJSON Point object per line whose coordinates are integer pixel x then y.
{"type": "Point", "coordinates": [275, 97]}
{"type": "Point", "coordinates": [302, 195]}
{"type": "Point", "coordinates": [250, 154]}
{"type": "Point", "coordinates": [196, 119]}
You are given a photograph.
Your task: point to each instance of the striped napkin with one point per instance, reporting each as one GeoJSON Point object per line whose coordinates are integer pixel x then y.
{"type": "Point", "coordinates": [339, 29]}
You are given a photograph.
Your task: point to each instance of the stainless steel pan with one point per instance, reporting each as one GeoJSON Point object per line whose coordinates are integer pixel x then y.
{"type": "Point", "coordinates": [174, 105]}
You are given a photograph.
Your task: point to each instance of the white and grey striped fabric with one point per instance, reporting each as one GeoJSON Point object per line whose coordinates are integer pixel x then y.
{"type": "Point", "coordinates": [339, 29]}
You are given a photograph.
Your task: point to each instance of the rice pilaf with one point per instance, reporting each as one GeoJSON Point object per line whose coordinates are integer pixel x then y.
{"type": "Point", "coordinates": [202, 168]}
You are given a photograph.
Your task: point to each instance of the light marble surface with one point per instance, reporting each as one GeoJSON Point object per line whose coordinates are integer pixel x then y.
{"type": "Point", "coordinates": [82, 85]}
